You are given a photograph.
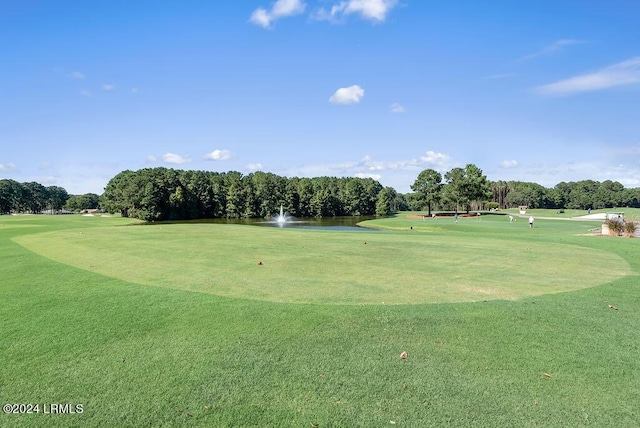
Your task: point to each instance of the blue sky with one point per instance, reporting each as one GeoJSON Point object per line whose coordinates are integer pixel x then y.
{"type": "Point", "coordinates": [542, 91]}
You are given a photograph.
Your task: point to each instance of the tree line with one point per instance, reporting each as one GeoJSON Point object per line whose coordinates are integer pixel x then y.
{"type": "Point", "coordinates": [35, 198]}
{"type": "Point", "coordinates": [582, 194]}
{"type": "Point", "coordinates": [30, 197]}
{"type": "Point", "coordinates": [468, 188]}
{"type": "Point", "coordinates": [166, 194]}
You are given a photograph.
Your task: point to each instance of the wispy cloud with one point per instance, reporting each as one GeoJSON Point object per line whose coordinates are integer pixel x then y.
{"type": "Point", "coordinates": [556, 46]}
{"type": "Point", "coordinates": [623, 73]}
{"type": "Point", "coordinates": [77, 75]}
{"type": "Point", "coordinates": [7, 166]}
{"type": "Point", "coordinates": [175, 159]}
{"type": "Point", "coordinates": [369, 167]}
{"type": "Point", "coordinates": [351, 95]}
{"type": "Point", "coordinates": [279, 9]}
{"type": "Point", "coordinates": [108, 87]}
{"type": "Point", "coordinates": [549, 174]}
{"type": "Point", "coordinates": [366, 175]}
{"type": "Point", "coordinates": [150, 159]}
{"type": "Point", "coordinates": [218, 155]}
{"type": "Point", "coordinates": [435, 159]}
{"type": "Point", "coordinates": [85, 93]}
{"type": "Point", "coordinates": [253, 167]}
{"type": "Point", "coordinates": [508, 163]}
{"type": "Point", "coordinates": [372, 10]}
{"type": "Point", "coordinates": [397, 108]}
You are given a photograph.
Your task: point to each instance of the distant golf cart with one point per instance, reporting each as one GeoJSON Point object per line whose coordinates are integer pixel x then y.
{"type": "Point", "coordinates": [619, 216]}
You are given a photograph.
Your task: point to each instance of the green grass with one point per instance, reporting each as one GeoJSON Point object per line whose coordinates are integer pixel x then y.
{"type": "Point", "coordinates": [299, 266]}
{"type": "Point", "coordinates": [158, 354]}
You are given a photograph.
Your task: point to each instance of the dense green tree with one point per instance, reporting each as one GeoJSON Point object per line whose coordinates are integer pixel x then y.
{"type": "Point", "coordinates": [527, 194]}
{"type": "Point", "coordinates": [161, 193]}
{"type": "Point", "coordinates": [82, 202]}
{"type": "Point", "coordinates": [399, 203]}
{"type": "Point", "coordinates": [386, 197]}
{"type": "Point", "coordinates": [465, 186]}
{"type": "Point", "coordinates": [34, 197]}
{"type": "Point", "coordinates": [428, 187]}
{"type": "Point", "coordinates": [609, 195]}
{"type": "Point", "coordinates": [499, 192]}
{"type": "Point", "coordinates": [234, 195]}
{"type": "Point", "coordinates": [354, 197]}
{"type": "Point", "coordinates": [117, 196]}
{"type": "Point", "coordinates": [10, 195]}
{"type": "Point", "coordinates": [56, 197]}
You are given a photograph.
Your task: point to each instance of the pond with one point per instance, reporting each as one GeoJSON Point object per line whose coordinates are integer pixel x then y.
{"type": "Point", "coordinates": [331, 223]}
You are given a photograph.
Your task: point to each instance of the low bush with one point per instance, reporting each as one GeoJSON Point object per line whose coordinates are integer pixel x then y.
{"type": "Point", "coordinates": [630, 228]}
{"type": "Point", "coordinates": [615, 227]}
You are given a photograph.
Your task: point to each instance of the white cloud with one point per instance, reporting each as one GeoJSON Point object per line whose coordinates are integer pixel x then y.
{"type": "Point", "coordinates": [7, 166]}
{"type": "Point", "coordinates": [373, 10]}
{"type": "Point", "coordinates": [622, 73]}
{"type": "Point", "coordinates": [77, 75]}
{"type": "Point", "coordinates": [508, 163]}
{"type": "Point", "coordinates": [108, 87]}
{"type": "Point", "coordinates": [365, 175]}
{"type": "Point", "coordinates": [435, 159]}
{"type": "Point", "coordinates": [368, 167]}
{"type": "Point", "coordinates": [254, 167]}
{"type": "Point", "coordinates": [397, 108]}
{"type": "Point", "coordinates": [175, 159]}
{"type": "Point", "coordinates": [135, 90]}
{"type": "Point", "coordinates": [150, 159]}
{"type": "Point", "coordinates": [85, 93]}
{"type": "Point", "coordinates": [352, 94]}
{"type": "Point", "coordinates": [218, 155]}
{"type": "Point", "coordinates": [556, 46]}
{"type": "Point", "coordinates": [280, 9]}
{"type": "Point", "coordinates": [549, 174]}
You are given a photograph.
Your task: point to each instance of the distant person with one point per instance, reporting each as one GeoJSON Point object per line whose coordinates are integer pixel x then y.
{"type": "Point", "coordinates": [589, 211]}
{"type": "Point", "coordinates": [510, 219]}
{"type": "Point", "coordinates": [531, 222]}
{"type": "Point", "coordinates": [455, 217]}
{"type": "Point", "coordinates": [433, 216]}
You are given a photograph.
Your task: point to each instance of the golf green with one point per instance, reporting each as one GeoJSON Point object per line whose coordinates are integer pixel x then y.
{"type": "Point", "coordinates": [329, 267]}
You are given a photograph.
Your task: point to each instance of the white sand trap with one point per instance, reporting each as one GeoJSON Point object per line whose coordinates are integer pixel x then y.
{"type": "Point", "coordinates": [598, 216]}
{"type": "Point", "coordinates": [88, 215]}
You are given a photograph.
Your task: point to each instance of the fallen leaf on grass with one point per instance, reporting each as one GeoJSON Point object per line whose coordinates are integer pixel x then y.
{"type": "Point", "coordinates": [546, 374]}
{"type": "Point", "coordinates": [613, 307]}
{"type": "Point", "coordinates": [404, 355]}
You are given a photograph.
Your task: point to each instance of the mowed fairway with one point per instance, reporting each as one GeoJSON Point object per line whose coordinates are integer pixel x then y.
{"type": "Point", "coordinates": [330, 267]}
{"type": "Point", "coordinates": [178, 325]}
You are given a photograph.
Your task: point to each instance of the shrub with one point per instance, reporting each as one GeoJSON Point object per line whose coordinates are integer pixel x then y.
{"type": "Point", "coordinates": [490, 205]}
{"type": "Point", "coordinates": [630, 228]}
{"type": "Point", "coordinates": [615, 227]}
